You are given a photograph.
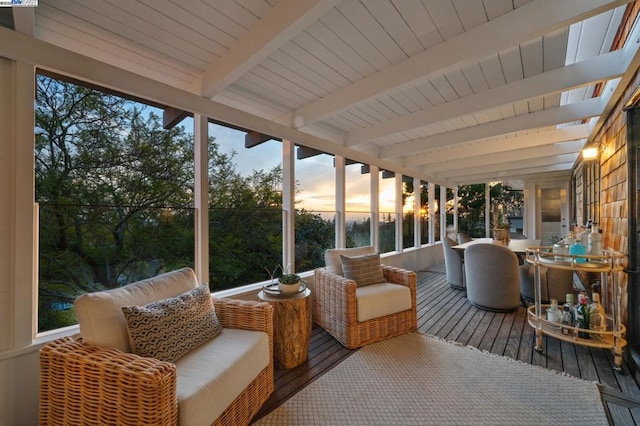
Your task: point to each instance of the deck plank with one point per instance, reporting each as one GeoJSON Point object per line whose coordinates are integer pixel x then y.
{"type": "Point", "coordinates": [446, 313]}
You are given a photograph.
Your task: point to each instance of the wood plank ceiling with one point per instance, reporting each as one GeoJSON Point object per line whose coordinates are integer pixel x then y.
{"type": "Point", "coordinates": [459, 91]}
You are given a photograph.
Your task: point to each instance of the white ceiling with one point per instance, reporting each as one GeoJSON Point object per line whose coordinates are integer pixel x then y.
{"type": "Point", "coordinates": [459, 91]}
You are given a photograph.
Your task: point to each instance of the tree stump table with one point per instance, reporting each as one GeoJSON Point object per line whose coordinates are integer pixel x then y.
{"type": "Point", "coordinates": [291, 327]}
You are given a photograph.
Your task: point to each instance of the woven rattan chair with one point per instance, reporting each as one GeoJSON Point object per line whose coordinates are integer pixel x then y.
{"type": "Point", "coordinates": [335, 304]}
{"type": "Point", "coordinates": [86, 384]}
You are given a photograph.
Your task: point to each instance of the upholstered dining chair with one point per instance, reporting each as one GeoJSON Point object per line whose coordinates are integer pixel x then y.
{"type": "Point", "coordinates": [492, 277]}
{"type": "Point", "coordinates": [360, 301]}
{"type": "Point", "coordinates": [464, 238]}
{"type": "Point", "coordinates": [453, 264]}
{"type": "Point", "coordinates": [554, 284]}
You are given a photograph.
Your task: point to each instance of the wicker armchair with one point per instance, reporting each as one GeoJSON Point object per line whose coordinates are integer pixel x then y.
{"type": "Point", "coordinates": [335, 306]}
{"type": "Point", "coordinates": [87, 384]}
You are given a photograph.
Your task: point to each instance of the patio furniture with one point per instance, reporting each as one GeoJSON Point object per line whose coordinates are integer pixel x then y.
{"type": "Point", "coordinates": [95, 378]}
{"type": "Point", "coordinates": [453, 264]}
{"type": "Point", "coordinates": [492, 277]}
{"type": "Point", "coordinates": [357, 315]}
{"type": "Point", "coordinates": [464, 238]}
{"type": "Point", "coordinates": [554, 284]}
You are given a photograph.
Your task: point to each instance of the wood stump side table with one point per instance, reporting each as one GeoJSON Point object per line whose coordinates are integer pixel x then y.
{"type": "Point", "coordinates": [291, 328]}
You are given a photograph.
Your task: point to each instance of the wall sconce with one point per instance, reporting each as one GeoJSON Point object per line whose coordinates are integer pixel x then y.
{"type": "Point", "coordinates": [592, 151]}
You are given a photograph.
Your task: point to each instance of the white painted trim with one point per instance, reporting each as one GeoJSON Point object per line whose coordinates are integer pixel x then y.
{"type": "Point", "coordinates": [56, 59]}
{"type": "Point", "coordinates": [432, 217]}
{"type": "Point", "coordinates": [374, 192]}
{"type": "Point", "coordinates": [201, 196]}
{"type": "Point", "coordinates": [494, 146]}
{"type": "Point", "coordinates": [341, 229]}
{"type": "Point", "coordinates": [417, 223]}
{"type": "Point", "coordinates": [24, 253]}
{"type": "Point", "coordinates": [288, 205]}
{"type": "Point", "coordinates": [487, 210]}
{"type": "Point", "coordinates": [548, 117]}
{"type": "Point", "coordinates": [443, 211]}
{"type": "Point", "coordinates": [605, 67]}
{"type": "Point", "coordinates": [532, 20]}
{"type": "Point", "coordinates": [281, 23]}
{"type": "Point", "coordinates": [399, 212]}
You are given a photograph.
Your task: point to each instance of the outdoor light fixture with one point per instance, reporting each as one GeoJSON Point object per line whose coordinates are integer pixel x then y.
{"type": "Point", "coordinates": [590, 153]}
{"type": "Point", "coordinates": [592, 150]}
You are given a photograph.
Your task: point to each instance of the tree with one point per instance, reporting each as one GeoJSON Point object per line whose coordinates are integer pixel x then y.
{"type": "Point", "coordinates": [112, 186]}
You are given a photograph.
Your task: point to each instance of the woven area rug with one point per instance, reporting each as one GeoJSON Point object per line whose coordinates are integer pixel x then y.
{"type": "Point", "coordinates": [420, 380]}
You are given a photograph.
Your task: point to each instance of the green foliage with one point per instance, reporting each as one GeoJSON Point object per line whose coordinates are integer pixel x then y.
{"type": "Point", "coordinates": [289, 279]}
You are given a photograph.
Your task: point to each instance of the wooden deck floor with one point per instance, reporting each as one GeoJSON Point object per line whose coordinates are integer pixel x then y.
{"type": "Point", "coordinates": [446, 313]}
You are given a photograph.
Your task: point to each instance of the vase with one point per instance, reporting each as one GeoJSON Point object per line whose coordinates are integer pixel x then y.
{"type": "Point", "coordinates": [289, 288]}
{"type": "Point", "coordinates": [501, 234]}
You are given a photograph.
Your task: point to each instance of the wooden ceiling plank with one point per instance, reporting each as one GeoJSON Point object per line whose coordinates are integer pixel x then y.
{"type": "Point", "coordinates": [560, 169]}
{"type": "Point", "coordinates": [564, 114]}
{"type": "Point", "coordinates": [531, 20]}
{"type": "Point", "coordinates": [276, 28]}
{"type": "Point", "coordinates": [419, 21]}
{"type": "Point", "coordinates": [508, 166]}
{"type": "Point", "coordinates": [463, 163]}
{"type": "Point", "coordinates": [603, 67]}
{"type": "Point", "coordinates": [560, 135]}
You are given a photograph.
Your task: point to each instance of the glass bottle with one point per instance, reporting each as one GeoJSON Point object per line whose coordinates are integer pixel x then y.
{"type": "Point", "coordinates": [597, 306]}
{"type": "Point", "coordinates": [579, 249]}
{"type": "Point", "coordinates": [554, 314]}
{"type": "Point", "coordinates": [582, 316]}
{"type": "Point", "coordinates": [566, 319]}
{"type": "Point", "coordinates": [569, 304]}
{"type": "Point", "coordinates": [595, 241]}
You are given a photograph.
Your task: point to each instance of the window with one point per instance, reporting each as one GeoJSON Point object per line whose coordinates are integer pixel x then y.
{"type": "Point", "coordinates": [358, 205]}
{"type": "Point", "coordinates": [115, 195]}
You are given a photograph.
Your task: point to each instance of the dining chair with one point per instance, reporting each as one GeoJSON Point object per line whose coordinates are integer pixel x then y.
{"type": "Point", "coordinates": [554, 284]}
{"type": "Point", "coordinates": [464, 238]}
{"type": "Point", "coordinates": [454, 264]}
{"type": "Point", "coordinates": [492, 277]}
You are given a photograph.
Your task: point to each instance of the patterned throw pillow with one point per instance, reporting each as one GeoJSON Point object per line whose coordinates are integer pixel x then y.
{"type": "Point", "coordinates": [169, 328]}
{"type": "Point", "coordinates": [364, 270]}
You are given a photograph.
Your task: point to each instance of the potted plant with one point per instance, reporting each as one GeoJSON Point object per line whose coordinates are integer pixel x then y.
{"type": "Point", "coordinates": [289, 283]}
{"type": "Point", "coordinates": [501, 226]}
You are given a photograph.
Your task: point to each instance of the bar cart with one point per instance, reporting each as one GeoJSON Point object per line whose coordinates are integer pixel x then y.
{"type": "Point", "coordinates": [609, 264]}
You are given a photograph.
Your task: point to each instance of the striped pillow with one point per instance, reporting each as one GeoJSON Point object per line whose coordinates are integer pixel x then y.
{"type": "Point", "coordinates": [170, 328]}
{"type": "Point", "coordinates": [364, 270]}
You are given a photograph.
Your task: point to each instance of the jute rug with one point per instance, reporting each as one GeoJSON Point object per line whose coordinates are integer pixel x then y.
{"type": "Point", "coordinates": [419, 380]}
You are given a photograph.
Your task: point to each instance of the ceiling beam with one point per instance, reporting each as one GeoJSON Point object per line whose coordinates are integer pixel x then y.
{"type": "Point", "coordinates": [24, 20]}
{"type": "Point", "coordinates": [532, 20]}
{"type": "Point", "coordinates": [604, 67]}
{"type": "Point", "coordinates": [507, 156]}
{"type": "Point", "coordinates": [564, 168]}
{"type": "Point", "coordinates": [56, 59]}
{"type": "Point", "coordinates": [277, 27]}
{"type": "Point", "coordinates": [172, 116]}
{"type": "Point", "coordinates": [509, 167]}
{"type": "Point", "coordinates": [548, 117]}
{"type": "Point", "coordinates": [493, 146]}
{"type": "Point", "coordinates": [306, 152]}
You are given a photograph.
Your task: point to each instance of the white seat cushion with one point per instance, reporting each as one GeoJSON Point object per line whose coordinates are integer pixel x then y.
{"type": "Point", "coordinates": [211, 376]}
{"type": "Point", "coordinates": [379, 300]}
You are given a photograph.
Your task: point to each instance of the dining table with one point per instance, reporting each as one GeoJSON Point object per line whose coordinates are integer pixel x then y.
{"type": "Point", "coordinates": [519, 247]}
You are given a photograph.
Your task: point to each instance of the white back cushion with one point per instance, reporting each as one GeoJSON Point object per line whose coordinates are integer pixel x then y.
{"type": "Point", "coordinates": [100, 315]}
